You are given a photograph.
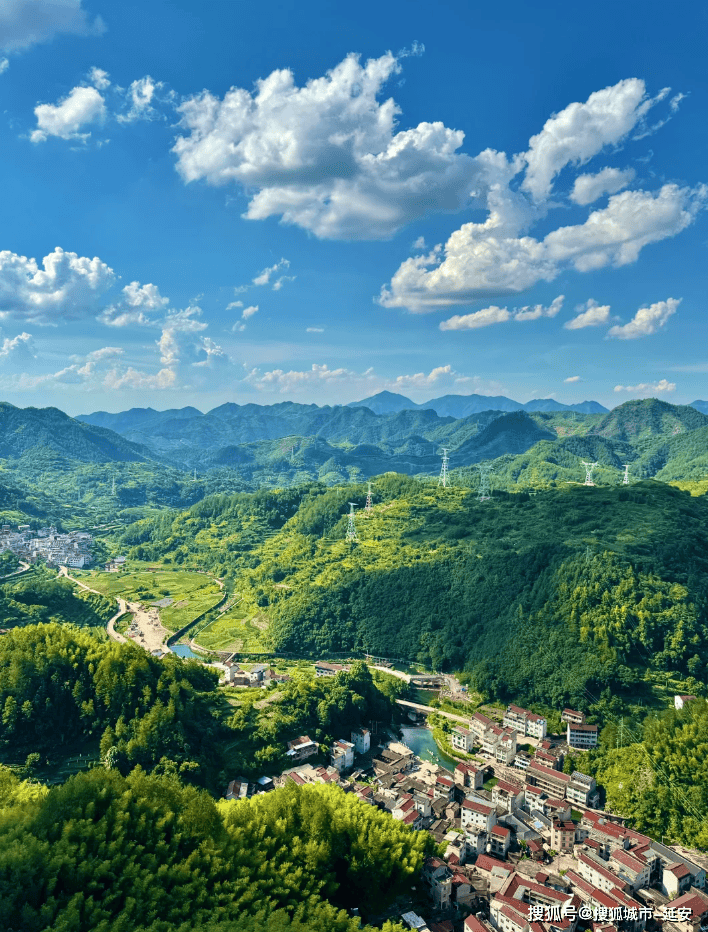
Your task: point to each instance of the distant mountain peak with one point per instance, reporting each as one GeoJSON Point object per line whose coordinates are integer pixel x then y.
{"type": "Point", "coordinates": [386, 403]}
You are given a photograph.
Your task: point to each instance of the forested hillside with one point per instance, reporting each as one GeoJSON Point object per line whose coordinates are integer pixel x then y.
{"type": "Point", "coordinates": [105, 853]}
{"type": "Point", "coordinates": [586, 586]}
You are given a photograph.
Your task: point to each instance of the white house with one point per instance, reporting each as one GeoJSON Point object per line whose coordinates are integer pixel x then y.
{"type": "Point", "coordinates": [342, 755]}
{"type": "Point", "coordinates": [361, 739]}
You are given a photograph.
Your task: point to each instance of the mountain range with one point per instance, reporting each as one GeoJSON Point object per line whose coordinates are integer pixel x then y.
{"type": "Point", "coordinates": [463, 405]}
{"type": "Point", "coordinates": [252, 445]}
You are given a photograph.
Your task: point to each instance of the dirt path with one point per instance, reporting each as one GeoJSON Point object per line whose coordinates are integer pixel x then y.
{"type": "Point", "coordinates": [145, 629]}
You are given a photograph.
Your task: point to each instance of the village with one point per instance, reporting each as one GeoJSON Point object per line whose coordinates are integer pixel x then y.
{"type": "Point", "coordinates": [47, 544]}
{"type": "Point", "coordinates": [522, 846]}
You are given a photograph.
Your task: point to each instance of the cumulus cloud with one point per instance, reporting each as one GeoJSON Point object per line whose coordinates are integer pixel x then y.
{"type": "Point", "coordinates": [99, 78]}
{"type": "Point", "coordinates": [326, 156]}
{"type": "Point", "coordinates": [82, 107]}
{"type": "Point", "coordinates": [4, 65]}
{"type": "Point", "coordinates": [24, 23]}
{"type": "Point", "coordinates": [249, 311]}
{"type": "Point", "coordinates": [314, 330]}
{"type": "Point", "coordinates": [133, 379]}
{"type": "Point", "coordinates": [483, 318]}
{"type": "Point", "coordinates": [66, 288]}
{"type": "Point", "coordinates": [136, 305]}
{"type": "Point", "coordinates": [106, 352]}
{"type": "Point", "coordinates": [292, 381]}
{"type": "Point", "coordinates": [481, 260]}
{"type": "Point", "coordinates": [591, 315]}
{"type": "Point", "coordinates": [538, 310]}
{"type": "Point", "coordinates": [421, 380]}
{"type": "Point", "coordinates": [20, 347]}
{"type": "Point", "coordinates": [140, 96]}
{"type": "Point", "coordinates": [589, 188]}
{"type": "Point", "coordinates": [572, 378]}
{"type": "Point", "coordinates": [647, 388]}
{"type": "Point", "coordinates": [647, 320]}
{"type": "Point", "coordinates": [581, 130]}
{"type": "Point", "coordinates": [498, 315]}
{"type": "Point", "coordinates": [245, 314]}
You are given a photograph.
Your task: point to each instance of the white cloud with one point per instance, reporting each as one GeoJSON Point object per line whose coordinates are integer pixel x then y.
{"type": "Point", "coordinates": [314, 330]}
{"type": "Point", "coordinates": [420, 380]}
{"type": "Point", "coordinates": [592, 316]}
{"type": "Point", "coordinates": [131, 378]}
{"type": "Point", "coordinates": [20, 347]}
{"type": "Point", "coordinates": [135, 306]}
{"type": "Point", "coordinates": [234, 305]}
{"type": "Point", "coordinates": [572, 378]}
{"type": "Point", "coordinates": [140, 96]}
{"type": "Point", "coordinates": [647, 320]}
{"type": "Point", "coordinates": [4, 65]}
{"type": "Point", "coordinates": [99, 78]}
{"type": "Point", "coordinates": [419, 245]}
{"type": "Point", "coordinates": [249, 311]}
{"type": "Point", "coordinates": [68, 287]}
{"type": "Point", "coordinates": [106, 352]}
{"type": "Point", "coordinates": [264, 277]}
{"type": "Point", "coordinates": [483, 318]}
{"type": "Point", "coordinates": [326, 156]}
{"type": "Point", "coordinates": [286, 382]}
{"type": "Point", "coordinates": [589, 188]}
{"type": "Point", "coordinates": [580, 131]}
{"type": "Point", "coordinates": [215, 357]}
{"type": "Point", "coordinates": [538, 310]}
{"type": "Point", "coordinates": [80, 108]}
{"type": "Point", "coordinates": [646, 388]}
{"type": "Point", "coordinates": [481, 260]}
{"type": "Point", "coordinates": [24, 23]}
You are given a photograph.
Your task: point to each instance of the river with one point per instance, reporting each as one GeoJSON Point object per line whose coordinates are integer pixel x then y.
{"type": "Point", "coordinates": [420, 740]}
{"type": "Point", "coordinates": [184, 650]}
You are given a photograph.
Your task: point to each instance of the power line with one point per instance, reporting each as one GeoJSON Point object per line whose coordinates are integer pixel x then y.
{"type": "Point", "coordinates": [368, 508]}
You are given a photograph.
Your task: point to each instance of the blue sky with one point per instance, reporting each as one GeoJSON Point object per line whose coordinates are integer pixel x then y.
{"type": "Point", "coordinates": [260, 202]}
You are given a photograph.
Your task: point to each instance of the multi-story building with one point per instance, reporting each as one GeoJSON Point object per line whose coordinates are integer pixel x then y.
{"type": "Point", "coordinates": [301, 748]}
{"type": "Point", "coordinates": [525, 722]}
{"type": "Point", "coordinates": [477, 815]}
{"type": "Point", "coordinates": [462, 739]}
{"type": "Point", "coordinates": [438, 878]}
{"type": "Point", "coordinates": [562, 835]}
{"type": "Point", "coordinates": [469, 775]}
{"type": "Point", "coordinates": [573, 717]}
{"type": "Point", "coordinates": [499, 840]}
{"type": "Point", "coordinates": [361, 739]}
{"type": "Point", "coordinates": [342, 755]}
{"type": "Point", "coordinates": [550, 781]}
{"type": "Point", "coordinates": [633, 870]}
{"type": "Point", "coordinates": [581, 736]}
{"type": "Point", "coordinates": [582, 789]}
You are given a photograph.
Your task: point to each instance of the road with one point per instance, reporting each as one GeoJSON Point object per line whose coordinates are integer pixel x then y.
{"type": "Point", "coordinates": [430, 709]}
{"type": "Point", "coordinates": [21, 569]}
{"type": "Point", "coordinates": [151, 634]}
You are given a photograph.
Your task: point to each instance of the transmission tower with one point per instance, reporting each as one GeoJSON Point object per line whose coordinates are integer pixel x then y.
{"type": "Point", "coordinates": [368, 508]}
{"type": "Point", "coordinates": [351, 527]}
{"type": "Point", "coordinates": [625, 479]}
{"type": "Point", "coordinates": [195, 473]}
{"type": "Point", "coordinates": [588, 472]}
{"type": "Point", "coordinates": [485, 492]}
{"type": "Point", "coordinates": [113, 486]}
{"type": "Point", "coordinates": [442, 481]}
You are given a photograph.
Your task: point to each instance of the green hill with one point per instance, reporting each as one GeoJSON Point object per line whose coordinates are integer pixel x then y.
{"type": "Point", "coordinates": [550, 598]}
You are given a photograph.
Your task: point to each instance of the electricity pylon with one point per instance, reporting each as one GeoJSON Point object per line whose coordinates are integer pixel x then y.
{"type": "Point", "coordinates": [625, 479]}
{"type": "Point", "coordinates": [113, 486]}
{"type": "Point", "coordinates": [351, 527]}
{"type": "Point", "coordinates": [588, 472]}
{"type": "Point", "coordinates": [485, 492]}
{"type": "Point", "coordinates": [442, 481]}
{"type": "Point", "coordinates": [368, 508]}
